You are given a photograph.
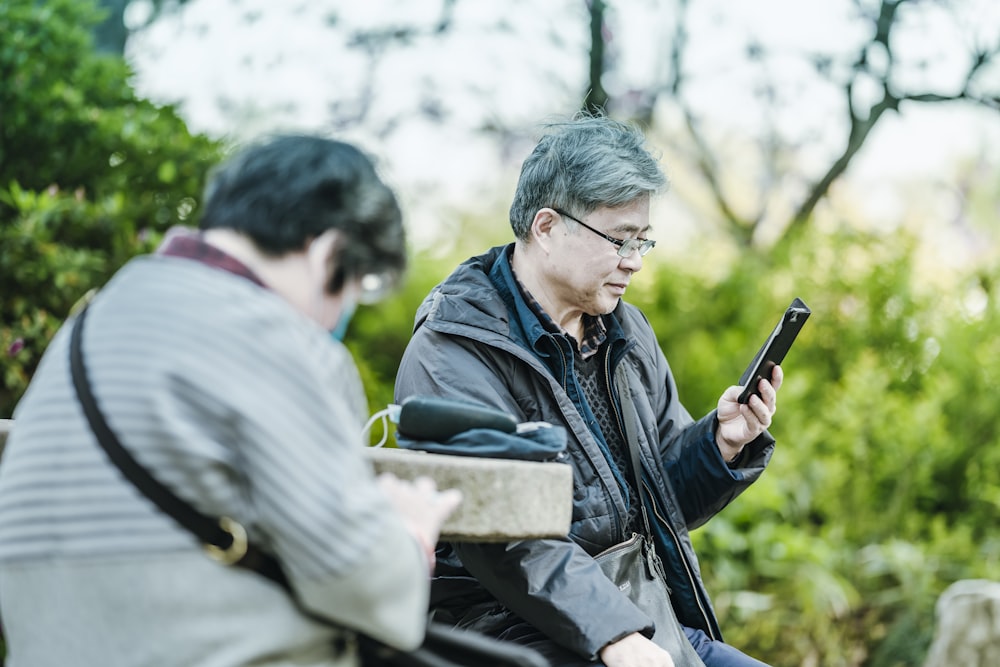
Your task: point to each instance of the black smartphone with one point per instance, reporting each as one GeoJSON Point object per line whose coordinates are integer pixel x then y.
{"type": "Point", "coordinates": [774, 349]}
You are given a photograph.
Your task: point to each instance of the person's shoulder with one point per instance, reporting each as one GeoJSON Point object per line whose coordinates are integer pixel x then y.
{"type": "Point", "coordinates": [471, 275]}
{"type": "Point", "coordinates": [633, 321]}
{"type": "Point", "coordinates": [467, 296]}
{"type": "Point", "coordinates": [214, 310]}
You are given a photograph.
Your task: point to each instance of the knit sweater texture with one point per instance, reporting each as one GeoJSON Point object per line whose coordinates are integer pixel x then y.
{"type": "Point", "coordinates": [244, 408]}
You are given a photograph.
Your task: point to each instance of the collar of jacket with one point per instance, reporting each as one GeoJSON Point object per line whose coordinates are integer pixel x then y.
{"type": "Point", "coordinates": [526, 328]}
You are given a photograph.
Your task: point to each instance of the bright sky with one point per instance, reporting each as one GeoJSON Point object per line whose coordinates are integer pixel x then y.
{"type": "Point", "coordinates": [244, 67]}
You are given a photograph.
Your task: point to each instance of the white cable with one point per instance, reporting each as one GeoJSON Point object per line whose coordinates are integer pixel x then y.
{"type": "Point", "coordinates": [390, 413]}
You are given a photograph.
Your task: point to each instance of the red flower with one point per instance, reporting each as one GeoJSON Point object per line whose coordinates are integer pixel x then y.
{"type": "Point", "coordinates": [15, 347]}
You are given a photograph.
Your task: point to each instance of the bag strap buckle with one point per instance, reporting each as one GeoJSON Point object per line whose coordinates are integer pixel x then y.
{"type": "Point", "coordinates": [237, 548]}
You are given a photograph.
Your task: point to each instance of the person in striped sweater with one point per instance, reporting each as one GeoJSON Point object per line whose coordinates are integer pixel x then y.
{"type": "Point", "coordinates": [213, 363]}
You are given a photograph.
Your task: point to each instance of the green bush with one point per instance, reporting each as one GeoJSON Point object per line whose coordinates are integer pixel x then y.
{"type": "Point", "coordinates": [90, 175]}
{"type": "Point", "coordinates": [379, 334]}
{"type": "Point", "coordinates": [885, 485]}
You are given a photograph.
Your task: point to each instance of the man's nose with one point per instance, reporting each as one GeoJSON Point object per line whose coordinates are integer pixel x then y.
{"type": "Point", "coordinates": [632, 263]}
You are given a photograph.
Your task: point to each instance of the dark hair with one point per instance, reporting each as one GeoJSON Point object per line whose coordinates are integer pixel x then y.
{"type": "Point", "coordinates": [581, 165]}
{"type": "Point", "coordinates": [286, 191]}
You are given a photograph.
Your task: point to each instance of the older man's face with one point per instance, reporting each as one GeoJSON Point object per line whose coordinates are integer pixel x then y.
{"type": "Point", "coordinates": [585, 273]}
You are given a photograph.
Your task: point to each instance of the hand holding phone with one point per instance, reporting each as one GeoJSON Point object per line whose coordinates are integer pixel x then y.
{"type": "Point", "coordinates": [774, 349]}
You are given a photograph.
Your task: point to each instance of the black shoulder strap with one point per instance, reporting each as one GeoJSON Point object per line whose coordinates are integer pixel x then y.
{"type": "Point", "coordinates": [224, 539]}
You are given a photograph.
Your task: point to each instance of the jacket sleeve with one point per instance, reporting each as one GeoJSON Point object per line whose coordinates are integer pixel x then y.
{"type": "Point", "coordinates": [552, 584]}
{"type": "Point", "coordinates": [703, 483]}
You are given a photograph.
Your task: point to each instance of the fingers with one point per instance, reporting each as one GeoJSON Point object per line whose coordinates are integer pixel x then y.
{"type": "Point", "coordinates": [765, 405]}
{"type": "Point", "coordinates": [449, 500]}
{"type": "Point", "coordinates": [757, 411]}
{"type": "Point", "coordinates": [421, 489]}
{"type": "Point", "coordinates": [777, 376]}
{"type": "Point", "coordinates": [731, 394]}
{"type": "Point", "coordinates": [635, 650]}
{"type": "Point", "coordinates": [420, 503]}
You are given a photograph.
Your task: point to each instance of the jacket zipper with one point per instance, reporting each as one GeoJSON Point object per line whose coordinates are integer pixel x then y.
{"type": "Point", "coordinates": [562, 359]}
{"type": "Point", "coordinates": [618, 420]}
{"type": "Point", "coordinates": [652, 500]}
{"type": "Point", "coordinates": [687, 567]}
{"type": "Point", "coordinates": [621, 546]}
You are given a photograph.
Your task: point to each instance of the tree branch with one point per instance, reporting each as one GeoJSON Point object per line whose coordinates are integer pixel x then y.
{"type": "Point", "coordinates": [861, 127]}
{"type": "Point", "coordinates": [597, 97]}
{"type": "Point", "coordinates": [737, 227]}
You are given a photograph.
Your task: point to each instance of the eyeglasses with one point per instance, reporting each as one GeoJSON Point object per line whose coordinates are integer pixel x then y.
{"type": "Point", "coordinates": [626, 247]}
{"type": "Point", "coordinates": [373, 287]}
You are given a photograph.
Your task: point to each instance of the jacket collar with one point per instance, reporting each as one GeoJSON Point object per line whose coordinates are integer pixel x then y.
{"type": "Point", "coordinates": [482, 292]}
{"type": "Point", "coordinates": [525, 323]}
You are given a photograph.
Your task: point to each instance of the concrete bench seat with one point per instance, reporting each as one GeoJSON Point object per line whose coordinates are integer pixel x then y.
{"type": "Point", "coordinates": [503, 500]}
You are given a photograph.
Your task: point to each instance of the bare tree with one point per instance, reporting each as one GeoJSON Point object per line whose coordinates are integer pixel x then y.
{"type": "Point", "coordinates": [862, 120]}
{"type": "Point", "coordinates": [875, 65]}
{"type": "Point", "coordinates": [864, 83]}
{"type": "Point", "coordinates": [597, 98]}
{"type": "Point", "coordinates": [113, 32]}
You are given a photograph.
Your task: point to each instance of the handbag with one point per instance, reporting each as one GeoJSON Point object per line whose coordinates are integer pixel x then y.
{"type": "Point", "coordinates": [635, 567]}
{"type": "Point", "coordinates": [226, 541]}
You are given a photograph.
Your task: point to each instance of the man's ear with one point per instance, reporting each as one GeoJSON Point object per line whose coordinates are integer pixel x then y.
{"type": "Point", "coordinates": [319, 255]}
{"type": "Point", "coordinates": [541, 227]}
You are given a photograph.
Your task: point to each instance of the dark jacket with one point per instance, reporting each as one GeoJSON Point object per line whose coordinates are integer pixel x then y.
{"type": "Point", "coordinates": [476, 339]}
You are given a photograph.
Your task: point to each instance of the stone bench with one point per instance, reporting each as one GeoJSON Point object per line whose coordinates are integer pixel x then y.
{"type": "Point", "coordinates": [502, 499]}
{"type": "Point", "coordinates": [967, 632]}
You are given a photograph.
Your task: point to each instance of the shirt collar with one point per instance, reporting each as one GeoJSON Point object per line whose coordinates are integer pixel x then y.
{"type": "Point", "coordinates": [191, 244]}
{"type": "Point", "coordinates": [595, 332]}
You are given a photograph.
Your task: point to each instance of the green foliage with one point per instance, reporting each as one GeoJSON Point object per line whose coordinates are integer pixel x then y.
{"type": "Point", "coordinates": [884, 488]}
{"type": "Point", "coordinates": [379, 333]}
{"type": "Point", "coordinates": [90, 175]}
{"type": "Point", "coordinates": [885, 485]}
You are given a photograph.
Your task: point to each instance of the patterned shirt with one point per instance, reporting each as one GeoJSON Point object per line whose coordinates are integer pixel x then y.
{"type": "Point", "coordinates": [594, 330]}
{"type": "Point", "coordinates": [588, 373]}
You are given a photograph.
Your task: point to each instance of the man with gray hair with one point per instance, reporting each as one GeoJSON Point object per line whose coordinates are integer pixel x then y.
{"type": "Point", "coordinates": [539, 329]}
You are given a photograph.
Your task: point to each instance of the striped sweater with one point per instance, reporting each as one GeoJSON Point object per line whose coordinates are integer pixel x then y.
{"type": "Point", "coordinates": [244, 408]}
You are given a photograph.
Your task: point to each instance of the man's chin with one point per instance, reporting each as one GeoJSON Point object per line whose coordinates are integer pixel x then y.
{"type": "Point", "coordinates": [605, 308]}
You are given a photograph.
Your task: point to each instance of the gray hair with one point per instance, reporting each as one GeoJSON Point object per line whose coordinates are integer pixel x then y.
{"type": "Point", "coordinates": [584, 164]}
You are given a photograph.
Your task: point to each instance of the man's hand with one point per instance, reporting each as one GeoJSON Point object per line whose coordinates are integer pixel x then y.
{"type": "Point", "coordinates": [635, 650]}
{"type": "Point", "coordinates": [740, 423]}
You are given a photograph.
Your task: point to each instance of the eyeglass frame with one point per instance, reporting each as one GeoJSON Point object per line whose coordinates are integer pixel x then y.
{"type": "Point", "coordinates": [626, 247]}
